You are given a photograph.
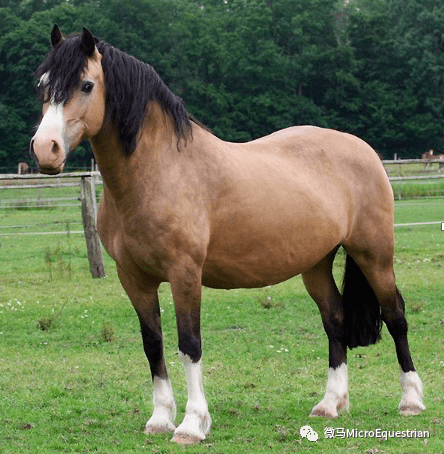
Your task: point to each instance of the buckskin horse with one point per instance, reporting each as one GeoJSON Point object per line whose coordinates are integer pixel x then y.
{"type": "Point", "coordinates": [181, 206]}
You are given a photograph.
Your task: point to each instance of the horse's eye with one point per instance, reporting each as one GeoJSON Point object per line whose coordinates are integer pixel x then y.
{"type": "Point", "coordinates": [87, 87]}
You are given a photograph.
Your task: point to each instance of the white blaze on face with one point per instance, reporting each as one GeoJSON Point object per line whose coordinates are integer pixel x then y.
{"type": "Point", "coordinates": [49, 142]}
{"type": "Point", "coordinates": [53, 121]}
{"type": "Point", "coordinates": [53, 118]}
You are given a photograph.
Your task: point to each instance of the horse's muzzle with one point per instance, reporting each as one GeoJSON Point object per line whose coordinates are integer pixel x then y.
{"type": "Point", "coordinates": [49, 156]}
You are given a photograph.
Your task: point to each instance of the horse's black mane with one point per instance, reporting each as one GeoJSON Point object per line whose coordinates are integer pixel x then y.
{"type": "Point", "coordinates": [129, 83]}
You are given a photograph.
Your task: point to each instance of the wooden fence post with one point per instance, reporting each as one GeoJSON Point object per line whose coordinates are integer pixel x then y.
{"type": "Point", "coordinates": [89, 216]}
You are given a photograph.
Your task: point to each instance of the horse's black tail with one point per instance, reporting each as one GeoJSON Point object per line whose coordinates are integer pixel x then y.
{"type": "Point", "coordinates": [362, 313]}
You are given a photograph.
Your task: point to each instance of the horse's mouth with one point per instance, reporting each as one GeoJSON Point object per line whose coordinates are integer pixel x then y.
{"type": "Point", "coordinates": [51, 170]}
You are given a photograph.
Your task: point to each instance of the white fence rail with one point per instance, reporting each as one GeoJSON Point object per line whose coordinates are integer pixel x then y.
{"type": "Point", "coordinates": [417, 177]}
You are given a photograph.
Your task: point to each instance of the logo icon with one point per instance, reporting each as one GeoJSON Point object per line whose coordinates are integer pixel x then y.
{"type": "Point", "coordinates": [308, 433]}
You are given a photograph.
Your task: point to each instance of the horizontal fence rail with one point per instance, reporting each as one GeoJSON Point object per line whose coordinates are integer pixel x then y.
{"type": "Point", "coordinates": [412, 161]}
{"type": "Point", "coordinates": [73, 232]}
{"type": "Point", "coordinates": [417, 177]}
{"type": "Point", "coordinates": [40, 176]}
{"type": "Point", "coordinates": [412, 224]}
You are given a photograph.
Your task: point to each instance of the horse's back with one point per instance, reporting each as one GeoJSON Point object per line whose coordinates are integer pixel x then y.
{"type": "Point", "coordinates": [329, 161]}
{"type": "Point", "coordinates": [311, 143]}
{"type": "Point", "coordinates": [324, 162]}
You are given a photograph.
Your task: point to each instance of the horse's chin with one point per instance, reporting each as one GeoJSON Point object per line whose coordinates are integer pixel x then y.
{"type": "Point", "coordinates": [52, 170]}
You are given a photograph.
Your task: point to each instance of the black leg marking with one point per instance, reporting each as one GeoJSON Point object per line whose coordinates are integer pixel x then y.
{"type": "Point", "coordinates": [397, 326]}
{"type": "Point", "coordinates": [153, 346]}
{"type": "Point", "coordinates": [188, 327]}
{"type": "Point", "coordinates": [337, 346]}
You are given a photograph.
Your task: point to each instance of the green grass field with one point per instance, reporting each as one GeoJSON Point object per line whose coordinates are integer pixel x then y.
{"type": "Point", "coordinates": [74, 378]}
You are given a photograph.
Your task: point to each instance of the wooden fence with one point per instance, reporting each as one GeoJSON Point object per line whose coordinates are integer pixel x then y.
{"type": "Point", "coordinates": [87, 182]}
{"type": "Point", "coordinates": [421, 172]}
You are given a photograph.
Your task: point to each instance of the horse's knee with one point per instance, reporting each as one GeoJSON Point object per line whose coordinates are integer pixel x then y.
{"type": "Point", "coordinates": [188, 328]}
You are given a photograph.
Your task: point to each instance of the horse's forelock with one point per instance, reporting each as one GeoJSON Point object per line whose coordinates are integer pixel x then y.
{"type": "Point", "coordinates": [60, 72]}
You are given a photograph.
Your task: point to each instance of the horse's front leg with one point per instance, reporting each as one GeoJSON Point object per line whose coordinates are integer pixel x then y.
{"type": "Point", "coordinates": [144, 297]}
{"type": "Point", "coordinates": [186, 289]}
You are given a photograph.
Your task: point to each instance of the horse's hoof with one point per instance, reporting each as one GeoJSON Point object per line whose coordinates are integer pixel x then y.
{"type": "Point", "coordinates": [411, 410]}
{"type": "Point", "coordinates": [184, 439]}
{"type": "Point", "coordinates": [159, 429]}
{"type": "Point", "coordinates": [330, 408]}
{"type": "Point", "coordinates": [323, 413]}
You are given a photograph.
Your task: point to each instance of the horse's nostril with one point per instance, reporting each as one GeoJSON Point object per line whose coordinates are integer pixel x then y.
{"type": "Point", "coordinates": [55, 147]}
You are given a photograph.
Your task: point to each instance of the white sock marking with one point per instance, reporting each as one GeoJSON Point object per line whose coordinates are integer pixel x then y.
{"type": "Point", "coordinates": [336, 394]}
{"type": "Point", "coordinates": [411, 401]}
{"type": "Point", "coordinates": [197, 421]}
{"type": "Point", "coordinates": [164, 412]}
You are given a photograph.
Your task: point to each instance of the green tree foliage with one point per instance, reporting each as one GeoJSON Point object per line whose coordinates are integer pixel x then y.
{"type": "Point", "coordinates": [374, 68]}
{"type": "Point", "coordinates": [417, 30]}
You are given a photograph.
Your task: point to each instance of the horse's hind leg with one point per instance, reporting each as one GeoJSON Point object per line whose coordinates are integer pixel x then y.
{"type": "Point", "coordinates": [380, 275]}
{"type": "Point", "coordinates": [321, 286]}
{"type": "Point", "coordinates": [145, 301]}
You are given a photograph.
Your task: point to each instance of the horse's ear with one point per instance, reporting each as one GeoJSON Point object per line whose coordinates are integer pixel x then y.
{"type": "Point", "coordinates": [88, 42]}
{"type": "Point", "coordinates": [56, 36]}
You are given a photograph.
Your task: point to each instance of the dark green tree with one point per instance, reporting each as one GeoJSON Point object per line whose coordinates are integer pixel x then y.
{"type": "Point", "coordinates": [417, 30]}
{"type": "Point", "coordinates": [248, 67]}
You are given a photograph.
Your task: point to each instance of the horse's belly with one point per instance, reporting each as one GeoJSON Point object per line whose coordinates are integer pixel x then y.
{"type": "Point", "coordinates": [235, 276]}
{"type": "Point", "coordinates": [249, 262]}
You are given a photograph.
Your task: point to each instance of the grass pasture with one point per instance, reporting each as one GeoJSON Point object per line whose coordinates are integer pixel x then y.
{"type": "Point", "coordinates": [73, 376]}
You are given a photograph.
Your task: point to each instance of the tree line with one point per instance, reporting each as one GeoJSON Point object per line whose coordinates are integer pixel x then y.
{"type": "Point", "coordinates": [246, 68]}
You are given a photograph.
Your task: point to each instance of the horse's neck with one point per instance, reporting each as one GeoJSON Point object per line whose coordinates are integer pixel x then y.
{"type": "Point", "coordinates": [123, 174]}
{"type": "Point", "coordinates": [111, 160]}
